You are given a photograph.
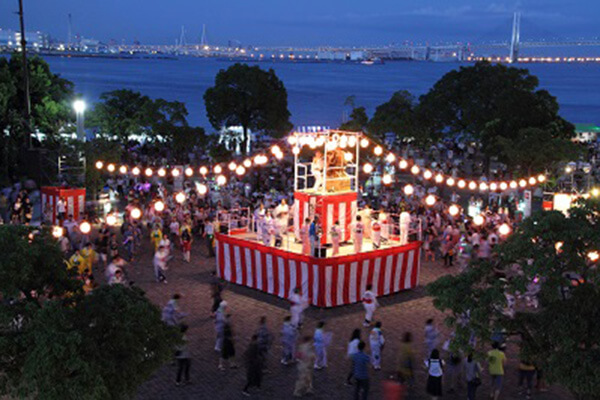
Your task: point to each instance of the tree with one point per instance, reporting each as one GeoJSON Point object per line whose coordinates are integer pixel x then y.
{"type": "Point", "coordinates": [51, 97]}
{"type": "Point", "coordinates": [358, 120]}
{"type": "Point", "coordinates": [249, 97]}
{"type": "Point", "coordinates": [562, 335]}
{"type": "Point", "coordinates": [395, 116]}
{"type": "Point", "coordinates": [105, 346]}
{"type": "Point", "coordinates": [122, 113]}
{"type": "Point", "coordinates": [57, 343]}
{"type": "Point", "coordinates": [493, 104]}
{"type": "Point", "coordinates": [182, 139]}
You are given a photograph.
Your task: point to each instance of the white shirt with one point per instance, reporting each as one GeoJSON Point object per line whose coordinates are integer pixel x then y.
{"type": "Point", "coordinates": [60, 206]}
{"type": "Point", "coordinates": [353, 347]}
{"type": "Point", "coordinates": [369, 298]}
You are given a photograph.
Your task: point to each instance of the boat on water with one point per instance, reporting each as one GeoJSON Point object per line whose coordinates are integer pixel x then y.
{"type": "Point", "coordinates": [371, 61]}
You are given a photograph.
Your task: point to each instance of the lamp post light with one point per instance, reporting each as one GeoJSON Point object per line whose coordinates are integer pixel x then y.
{"type": "Point", "coordinates": [79, 107]}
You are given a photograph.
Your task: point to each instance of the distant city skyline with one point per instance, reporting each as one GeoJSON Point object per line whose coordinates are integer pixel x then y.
{"type": "Point", "coordinates": [309, 23]}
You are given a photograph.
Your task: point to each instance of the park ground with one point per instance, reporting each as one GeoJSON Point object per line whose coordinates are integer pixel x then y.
{"type": "Point", "coordinates": [401, 312]}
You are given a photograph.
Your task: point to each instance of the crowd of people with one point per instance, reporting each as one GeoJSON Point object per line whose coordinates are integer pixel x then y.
{"type": "Point", "coordinates": [176, 225]}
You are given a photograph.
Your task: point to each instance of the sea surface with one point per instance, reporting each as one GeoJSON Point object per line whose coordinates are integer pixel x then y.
{"type": "Point", "coordinates": [316, 91]}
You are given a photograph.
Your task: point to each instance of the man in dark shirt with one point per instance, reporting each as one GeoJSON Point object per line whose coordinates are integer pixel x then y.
{"type": "Point", "coordinates": [360, 368]}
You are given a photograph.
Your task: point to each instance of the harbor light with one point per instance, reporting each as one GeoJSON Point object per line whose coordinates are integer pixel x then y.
{"type": "Point", "coordinates": [296, 150]}
{"type": "Point", "coordinates": [522, 183]}
{"type": "Point", "coordinates": [247, 163]}
{"type": "Point", "coordinates": [409, 190]}
{"type": "Point", "coordinates": [148, 172]}
{"type": "Point", "coordinates": [175, 172]}
{"type": "Point", "coordinates": [483, 186]}
{"type": "Point", "coordinates": [85, 227]}
{"type": "Point", "coordinates": [378, 151]}
{"type": "Point", "coordinates": [162, 172]}
{"type": "Point", "coordinates": [593, 256]}
{"type": "Point", "coordinates": [450, 181]}
{"type": "Point", "coordinates": [232, 166]}
{"type": "Point", "coordinates": [240, 170]}
{"type": "Point", "coordinates": [403, 164]}
{"type": "Point", "coordinates": [472, 185]}
{"type": "Point", "coordinates": [348, 156]}
{"type": "Point", "coordinates": [110, 167]}
{"type": "Point", "coordinates": [221, 180]}
{"type": "Point", "coordinates": [532, 181]}
{"type": "Point", "coordinates": [390, 158]}
{"type": "Point", "coordinates": [513, 185]}
{"type": "Point", "coordinates": [493, 186]}
{"type": "Point", "coordinates": [503, 186]}
{"type": "Point", "coordinates": [123, 169]}
{"type": "Point", "coordinates": [189, 172]}
{"type": "Point", "coordinates": [461, 184]}
{"type": "Point", "coordinates": [364, 142]}
{"type": "Point", "coordinates": [427, 174]}
{"type": "Point", "coordinates": [135, 171]}
{"type": "Point", "coordinates": [430, 200]}
{"type": "Point", "coordinates": [99, 164]}
{"type": "Point", "coordinates": [439, 178]}
{"type": "Point", "coordinates": [387, 179]}
{"type": "Point", "coordinates": [415, 169]}
{"type": "Point", "coordinates": [218, 169]}
{"type": "Point", "coordinates": [203, 170]}
{"type": "Point", "coordinates": [368, 168]}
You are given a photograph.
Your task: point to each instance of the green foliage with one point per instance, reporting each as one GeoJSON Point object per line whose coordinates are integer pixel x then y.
{"type": "Point", "coordinates": [56, 342]}
{"type": "Point", "coordinates": [250, 97]}
{"type": "Point", "coordinates": [562, 336]}
{"type": "Point", "coordinates": [396, 116]}
{"type": "Point", "coordinates": [105, 346]}
{"type": "Point", "coordinates": [495, 105]}
{"type": "Point", "coordinates": [358, 120]}
{"type": "Point", "coordinates": [24, 266]}
{"type": "Point", "coordinates": [50, 95]}
{"type": "Point", "coordinates": [51, 98]}
{"type": "Point", "coordinates": [122, 113]}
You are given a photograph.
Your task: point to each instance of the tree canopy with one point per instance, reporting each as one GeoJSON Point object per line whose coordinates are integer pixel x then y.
{"type": "Point", "coordinates": [496, 105]}
{"type": "Point", "coordinates": [51, 98]}
{"type": "Point", "coordinates": [396, 116]}
{"type": "Point", "coordinates": [358, 120]}
{"type": "Point", "coordinates": [561, 335]}
{"type": "Point", "coordinates": [249, 97]}
{"type": "Point", "coordinates": [56, 342]}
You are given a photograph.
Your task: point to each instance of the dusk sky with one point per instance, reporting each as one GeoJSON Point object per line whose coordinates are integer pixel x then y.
{"type": "Point", "coordinates": [306, 22]}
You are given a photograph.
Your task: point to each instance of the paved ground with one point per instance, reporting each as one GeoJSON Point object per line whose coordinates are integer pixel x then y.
{"type": "Point", "coordinates": [400, 312]}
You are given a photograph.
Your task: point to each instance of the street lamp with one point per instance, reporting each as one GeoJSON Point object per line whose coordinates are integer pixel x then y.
{"type": "Point", "coordinates": [79, 107]}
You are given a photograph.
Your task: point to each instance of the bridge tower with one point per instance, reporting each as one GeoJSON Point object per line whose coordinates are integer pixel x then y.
{"type": "Point", "coordinates": [203, 42]}
{"type": "Point", "coordinates": [516, 36]}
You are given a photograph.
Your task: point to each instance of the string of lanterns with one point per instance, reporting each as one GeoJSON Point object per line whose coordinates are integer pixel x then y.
{"type": "Point", "coordinates": [188, 171]}
{"type": "Point", "coordinates": [343, 140]}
